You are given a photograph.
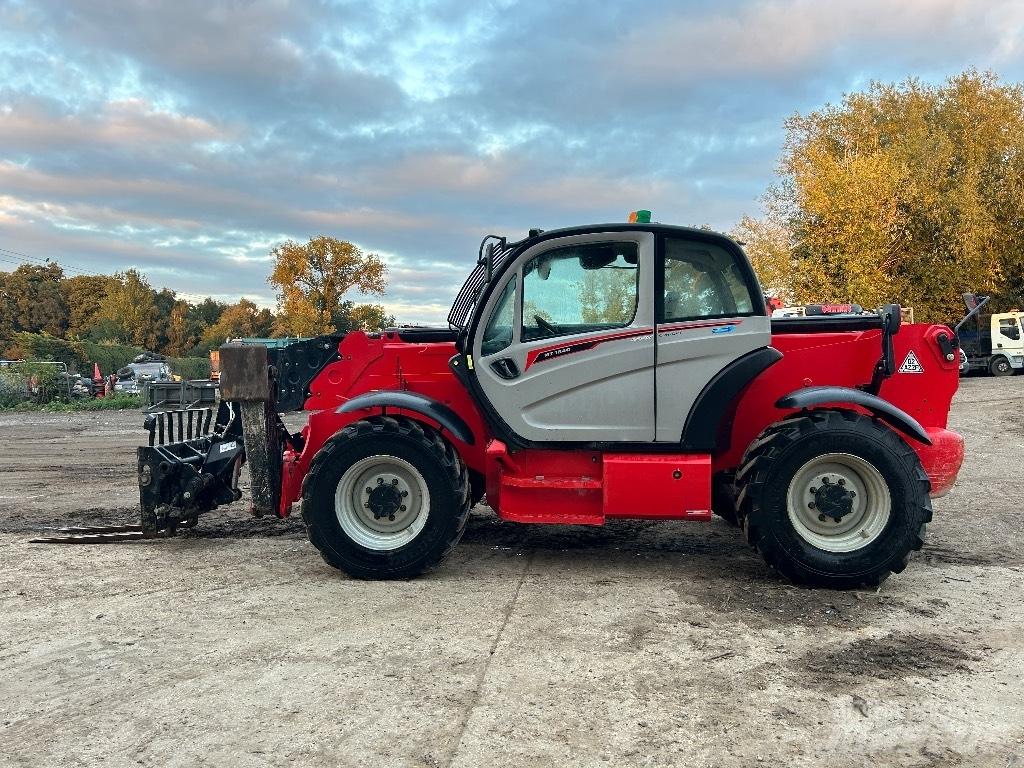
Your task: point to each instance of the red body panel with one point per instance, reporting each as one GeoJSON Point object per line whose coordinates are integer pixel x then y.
{"type": "Point", "coordinates": [672, 485]}
{"type": "Point", "coordinates": [847, 359]}
{"type": "Point", "coordinates": [588, 486]}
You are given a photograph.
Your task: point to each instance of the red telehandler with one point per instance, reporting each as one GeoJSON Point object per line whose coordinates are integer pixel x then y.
{"type": "Point", "coordinates": [594, 372]}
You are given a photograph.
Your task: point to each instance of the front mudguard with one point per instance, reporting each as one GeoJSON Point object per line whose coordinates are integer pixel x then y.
{"type": "Point", "coordinates": [897, 418]}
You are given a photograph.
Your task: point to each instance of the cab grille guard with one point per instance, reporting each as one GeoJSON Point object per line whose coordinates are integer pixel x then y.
{"type": "Point", "coordinates": [494, 250]}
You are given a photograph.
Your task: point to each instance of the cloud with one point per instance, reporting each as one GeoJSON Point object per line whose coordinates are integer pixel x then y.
{"type": "Point", "coordinates": [188, 138]}
{"type": "Point", "coordinates": [33, 125]}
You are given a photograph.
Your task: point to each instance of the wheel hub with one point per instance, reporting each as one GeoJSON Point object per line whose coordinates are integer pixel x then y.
{"type": "Point", "coordinates": [385, 500]}
{"type": "Point", "coordinates": [832, 499]}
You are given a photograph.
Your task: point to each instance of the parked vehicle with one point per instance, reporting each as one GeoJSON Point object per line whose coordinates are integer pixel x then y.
{"type": "Point", "coordinates": [992, 343]}
{"type": "Point", "coordinates": [587, 374]}
{"type": "Point", "coordinates": [133, 376]}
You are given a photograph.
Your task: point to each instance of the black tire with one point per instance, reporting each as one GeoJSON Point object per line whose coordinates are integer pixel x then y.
{"type": "Point", "coordinates": [1000, 366]}
{"type": "Point", "coordinates": [723, 499]}
{"type": "Point", "coordinates": [777, 456]}
{"type": "Point", "coordinates": [477, 489]}
{"type": "Point", "coordinates": [436, 461]}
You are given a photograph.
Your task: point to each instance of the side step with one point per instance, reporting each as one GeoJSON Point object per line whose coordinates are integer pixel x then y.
{"type": "Point", "coordinates": [588, 487]}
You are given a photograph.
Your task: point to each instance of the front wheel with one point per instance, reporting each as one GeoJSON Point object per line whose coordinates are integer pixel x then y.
{"type": "Point", "coordinates": [1000, 366]}
{"type": "Point", "coordinates": [386, 498]}
{"type": "Point", "coordinates": [833, 498]}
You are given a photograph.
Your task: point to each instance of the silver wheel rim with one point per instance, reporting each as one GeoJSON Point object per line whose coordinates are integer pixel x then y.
{"type": "Point", "coordinates": [407, 498]}
{"type": "Point", "coordinates": [864, 488]}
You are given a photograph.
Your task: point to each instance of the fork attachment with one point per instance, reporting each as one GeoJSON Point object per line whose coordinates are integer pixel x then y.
{"type": "Point", "coordinates": [188, 467]}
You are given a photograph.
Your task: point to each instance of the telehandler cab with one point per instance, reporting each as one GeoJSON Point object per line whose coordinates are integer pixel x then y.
{"type": "Point", "coordinates": [588, 373]}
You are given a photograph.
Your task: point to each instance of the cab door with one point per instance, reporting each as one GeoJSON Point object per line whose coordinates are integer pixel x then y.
{"type": "Point", "coordinates": [564, 351]}
{"type": "Point", "coordinates": [711, 312]}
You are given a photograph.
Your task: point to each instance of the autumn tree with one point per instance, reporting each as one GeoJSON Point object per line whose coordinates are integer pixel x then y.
{"type": "Point", "coordinates": [312, 279]}
{"type": "Point", "coordinates": [368, 317]}
{"type": "Point", "coordinates": [769, 246]}
{"type": "Point", "coordinates": [607, 295]}
{"type": "Point", "coordinates": [206, 313]}
{"type": "Point", "coordinates": [83, 294]}
{"type": "Point", "coordinates": [7, 312]}
{"type": "Point", "coordinates": [164, 300]}
{"type": "Point", "coordinates": [908, 193]}
{"type": "Point", "coordinates": [128, 311]}
{"type": "Point", "coordinates": [241, 320]}
{"type": "Point", "coordinates": [35, 299]}
{"type": "Point", "coordinates": [181, 336]}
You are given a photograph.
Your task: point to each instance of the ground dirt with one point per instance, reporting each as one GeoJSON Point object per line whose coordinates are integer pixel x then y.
{"type": "Point", "coordinates": [647, 644]}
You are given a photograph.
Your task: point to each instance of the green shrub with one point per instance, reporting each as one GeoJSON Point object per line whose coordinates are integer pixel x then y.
{"type": "Point", "coordinates": [80, 355]}
{"type": "Point", "coordinates": [33, 382]}
{"type": "Point", "coordinates": [117, 402]}
{"type": "Point", "coordinates": [190, 367]}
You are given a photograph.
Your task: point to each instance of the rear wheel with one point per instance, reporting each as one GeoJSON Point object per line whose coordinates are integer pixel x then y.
{"type": "Point", "coordinates": [833, 498]}
{"type": "Point", "coordinates": [385, 498]}
{"type": "Point", "coordinates": [1000, 366]}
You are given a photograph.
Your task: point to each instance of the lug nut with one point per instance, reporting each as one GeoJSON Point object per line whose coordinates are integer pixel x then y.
{"type": "Point", "coordinates": [852, 494]}
{"type": "Point", "coordinates": [402, 508]}
{"type": "Point", "coordinates": [814, 490]}
{"type": "Point", "coordinates": [369, 489]}
{"type": "Point", "coordinates": [380, 481]}
{"type": "Point", "coordinates": [366, 504]}
{"type": "Point", "coordinates": [812, 505]}
{"type": "Point", "coordinates": [821, 518]}
{"type": "Point", "coordinates": [842, 482]}
{"type": "Point", "coordinates": [391, 518]}
{"type": "Point", "coordinates": [394, 481]}
{"type": "Point", "coordinates": [404, 494]}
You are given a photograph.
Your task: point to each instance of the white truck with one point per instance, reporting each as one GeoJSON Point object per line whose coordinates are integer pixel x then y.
{"type": "Point", "coordinates": [993, 343]}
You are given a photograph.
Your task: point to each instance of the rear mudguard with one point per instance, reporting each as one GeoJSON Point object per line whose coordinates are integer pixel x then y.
{"type": "Point", "coordinates": [882, 409]}
{"type": "Point", "coordinates": [413, 401]}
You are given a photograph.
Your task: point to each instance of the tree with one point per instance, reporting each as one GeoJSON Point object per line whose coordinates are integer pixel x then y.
{"type": "Point", "coordinates": [36, 299]}
{"type": "Point", "coordinates": [240, 320]}
{"type": "Point", "coordinates": [607, 295]}
{"type": "Point", "coordinates": [769, 246]}
{"type": "Point", "coordinates": [907, 193]}
{"type": "Point", "coordinates": [7, 312]}
{"type": "Point", "coordinates": [83, 294]}
{"type": "Point", "coordinates": [369, 317]}
{"type": "Point", "coordinates": [129, 310]}
{"type": "Point", "coordinates": [312, 280]}
{"type": "Point", "coordinates": [206, 313]}
{"type": "Point", "coordinates": [164, 300]}
{"type": "Point", "coordinates": [180, 334]}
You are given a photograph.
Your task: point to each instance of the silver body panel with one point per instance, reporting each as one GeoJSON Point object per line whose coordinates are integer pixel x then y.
{"type": "Point", "coordinates": [623, 384]}
{"type": "Point", "coordinates": [688, 358]}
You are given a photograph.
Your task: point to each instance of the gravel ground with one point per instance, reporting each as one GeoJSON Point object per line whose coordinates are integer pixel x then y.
{"type": "Point", "coordinates": [641, 643]}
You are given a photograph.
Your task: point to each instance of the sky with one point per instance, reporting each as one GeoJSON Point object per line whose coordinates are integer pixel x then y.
{"type": "Point", "coordinates": [186, 139]}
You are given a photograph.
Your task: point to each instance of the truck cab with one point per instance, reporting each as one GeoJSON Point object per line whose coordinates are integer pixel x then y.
{"type": "Point", "coordinates": [996, 344]}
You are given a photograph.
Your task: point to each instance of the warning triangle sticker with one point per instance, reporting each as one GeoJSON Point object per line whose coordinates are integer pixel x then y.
{"type": "Point", "coordinates": [911, 364]}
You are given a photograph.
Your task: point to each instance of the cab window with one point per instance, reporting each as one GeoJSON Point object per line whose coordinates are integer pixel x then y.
{"type": "Point", "coordinates": [580, 288]}
{"type": "Point", "coordinates": [498, 333]}
{"type": "Point", "coordinates": [1008, 327]}
{"type": "Point", "coordinates": [703, 280]}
